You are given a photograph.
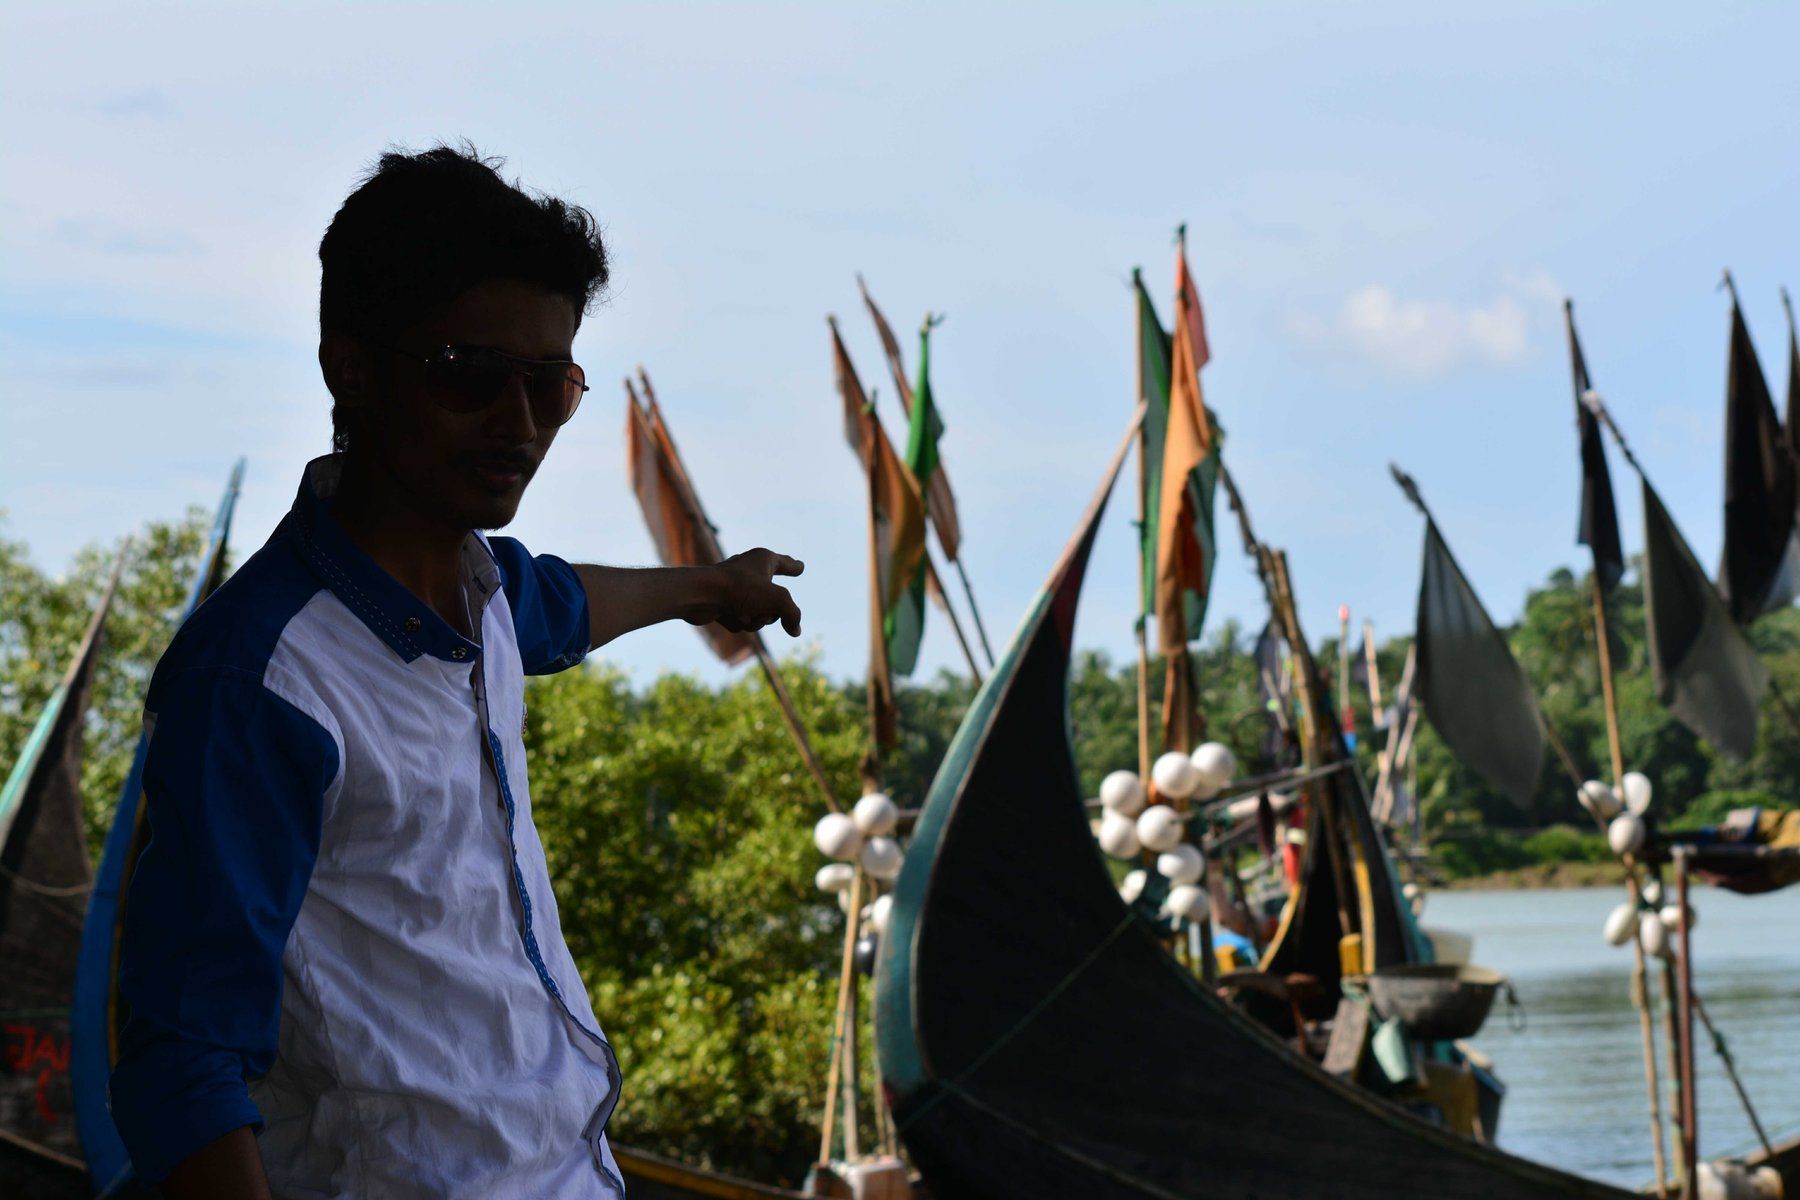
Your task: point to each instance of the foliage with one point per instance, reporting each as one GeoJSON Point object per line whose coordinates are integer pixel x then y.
{"type": "Point", "coordinates": [1566, 843]}
{"type": "Point", "coordinates": [678, 826]}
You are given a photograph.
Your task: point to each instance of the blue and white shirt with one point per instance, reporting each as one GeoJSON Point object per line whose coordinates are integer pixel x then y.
{"type": "Point", "coordinates": [341, 931]}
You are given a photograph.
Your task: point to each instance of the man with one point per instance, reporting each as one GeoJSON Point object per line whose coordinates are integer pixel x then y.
{"type": "Point", "coordinates": [341, 935]}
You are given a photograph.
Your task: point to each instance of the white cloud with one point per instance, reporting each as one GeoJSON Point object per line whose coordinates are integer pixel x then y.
{"type": "Point", "coordinates": [1427, 339]}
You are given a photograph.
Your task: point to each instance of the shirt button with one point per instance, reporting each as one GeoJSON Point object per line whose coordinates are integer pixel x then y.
{"type": "Point", "coordinates": [412, 624]}
{"type": "Point", "coordinates": [458, 653]}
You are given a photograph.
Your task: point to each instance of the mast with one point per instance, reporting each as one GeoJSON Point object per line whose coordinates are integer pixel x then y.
{"type": "Point", "coordinates": [1143, 481]}
{"type": "Point", "coordinates": [1633, 883]}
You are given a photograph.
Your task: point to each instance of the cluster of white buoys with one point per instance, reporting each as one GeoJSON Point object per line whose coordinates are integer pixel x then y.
{"type": "Point", "coordinates": [1130, 825]}
{"type": "Point", "coordinates": [1622, 811]}
{"type": "Point", "coordinates": [863, 836]}
{"type": "Point", "coordinates": [1653, 927]}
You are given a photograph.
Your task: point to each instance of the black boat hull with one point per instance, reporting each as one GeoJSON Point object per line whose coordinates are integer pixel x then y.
{"type": "Point", "coordinates": [1038, 1041]}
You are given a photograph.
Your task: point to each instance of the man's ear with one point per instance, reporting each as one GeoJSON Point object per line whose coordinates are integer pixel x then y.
{"type": "Point", "coordinates": [349, 374]}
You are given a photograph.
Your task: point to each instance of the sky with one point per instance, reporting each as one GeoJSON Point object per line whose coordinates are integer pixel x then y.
{"type": "Point", "coordinates": [1385, 203]}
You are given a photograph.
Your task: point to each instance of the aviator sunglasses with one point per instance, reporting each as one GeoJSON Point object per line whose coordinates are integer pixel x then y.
{"type": "Point", "coordinates": [466, 379]}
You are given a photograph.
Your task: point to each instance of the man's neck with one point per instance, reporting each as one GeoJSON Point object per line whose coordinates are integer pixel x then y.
{"type": "Point", "coordinates": [422, 552]}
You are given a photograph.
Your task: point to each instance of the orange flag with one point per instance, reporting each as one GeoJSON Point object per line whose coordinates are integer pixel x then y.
{"type": "Point", "coordinates": [1184, 531]}
{"type": "Point", "coordinates": [671, 508]}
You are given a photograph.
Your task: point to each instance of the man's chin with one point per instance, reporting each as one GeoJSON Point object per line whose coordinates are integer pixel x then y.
{"type": "Point", "coordinates": [488, 512]}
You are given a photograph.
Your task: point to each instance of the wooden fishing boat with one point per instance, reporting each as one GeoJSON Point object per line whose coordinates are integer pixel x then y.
{"type": "Point", "coordinates": [44, 878]}
{"type": "Point", "coordinates": [1785, 1158]}
{"type": "Point", "coordinates": [653, 1177]}
{"type": "Point", "coordinates": [1036, 1038]}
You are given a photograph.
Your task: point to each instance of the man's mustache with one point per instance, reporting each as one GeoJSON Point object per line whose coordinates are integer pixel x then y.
{"type": "Point", "coordinates": [501, 460]}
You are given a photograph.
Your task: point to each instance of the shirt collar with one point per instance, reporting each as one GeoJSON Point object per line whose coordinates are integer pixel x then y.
{"type": "Point", "coordinates": [404, 622]}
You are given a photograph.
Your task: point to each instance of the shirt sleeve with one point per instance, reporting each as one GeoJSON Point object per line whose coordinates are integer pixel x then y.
{"type": "Point", "coordinates": [234, 784]}
{"type": "Point", "coordinates": [549, 607]}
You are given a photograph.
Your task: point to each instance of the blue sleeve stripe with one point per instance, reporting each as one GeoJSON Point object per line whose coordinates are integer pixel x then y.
{"type": "Point", "coordinates": [234, 784]}
{"type": "Point", "coordinates": [549, 607]}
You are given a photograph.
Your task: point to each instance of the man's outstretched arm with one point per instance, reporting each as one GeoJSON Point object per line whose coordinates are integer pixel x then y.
{"type": "Point", "coordinates": [740, 593]}
{"type": "Point", "coordinates": [561, 611]}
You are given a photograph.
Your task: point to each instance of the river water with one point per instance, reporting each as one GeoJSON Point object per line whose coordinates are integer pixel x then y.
{"type": "Point", "coordinates": [1574, 1075]}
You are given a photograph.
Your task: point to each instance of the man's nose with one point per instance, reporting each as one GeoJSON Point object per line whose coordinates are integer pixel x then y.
{"type": "Point", "coordinates": [509, 417]}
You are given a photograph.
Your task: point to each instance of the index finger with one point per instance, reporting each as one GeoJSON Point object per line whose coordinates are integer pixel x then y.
{"type": "Point", "coordinates": [787, 566]}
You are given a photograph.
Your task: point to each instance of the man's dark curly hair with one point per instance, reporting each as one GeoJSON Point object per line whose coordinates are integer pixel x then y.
{"type": "Point", "coordinates": [423, 228]}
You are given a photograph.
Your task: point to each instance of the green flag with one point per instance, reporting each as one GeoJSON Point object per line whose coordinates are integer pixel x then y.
{"type": "Point", "coordinates": [1153, 351]}
{"type": "Point", "coordinates": [904, 624]}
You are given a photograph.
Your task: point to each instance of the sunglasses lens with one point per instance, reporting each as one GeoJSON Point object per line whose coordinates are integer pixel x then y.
{"type": "Point", "coordinates": [556, 394]}
{"type": "Point", "coordinates": [466, 380]}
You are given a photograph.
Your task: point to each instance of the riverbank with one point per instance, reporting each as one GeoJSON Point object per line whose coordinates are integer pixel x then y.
{"type": "Point", "coordinates": [1540, 875]}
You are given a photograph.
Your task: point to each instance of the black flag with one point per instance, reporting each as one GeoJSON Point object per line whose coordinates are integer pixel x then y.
{"type": "Point", "coordinates": [1473, 691]}
{"type": "Point", "coordinates": [1759, 488]}
{"type": "Point", "coordinates": [1599, 528]}
{"type": "Point", "coordinates": [1706, 673]}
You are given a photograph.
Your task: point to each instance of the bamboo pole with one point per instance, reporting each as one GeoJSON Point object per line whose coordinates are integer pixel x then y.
{"type": "Point", "coordinates": [969, 592]}
{"type": "Point", "coordinates": [1640, 1000]}
{"type": "Point", "coordinates": [852, 1135]}
{"type": "Point", "coordinates": [1346, 712]}
{"type": "Point", "coordinates": [1290, 619]}
{"type": "Point", "coordinates": [1690, 1109]}
{"type": "Point", "coordinates": [1603, 641]}
{"type": "Point", "coordinates": [1374, 670]}
{"type": "Point", "coordinates": [1143, 517]}
{"type": "Point", "coordinates": [1639, 996]}
{"type": "Point", "coordinates": [1672, 1034]}
{"type": "Point", "coordinates": [847, 970]}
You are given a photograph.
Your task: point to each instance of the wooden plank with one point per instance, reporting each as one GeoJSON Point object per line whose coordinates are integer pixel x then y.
{"type": "Point", "coordinates": [1349, 1039]}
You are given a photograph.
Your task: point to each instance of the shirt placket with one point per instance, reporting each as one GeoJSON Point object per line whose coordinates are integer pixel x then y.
{"type": "Point", "coordinates": [494, 756]}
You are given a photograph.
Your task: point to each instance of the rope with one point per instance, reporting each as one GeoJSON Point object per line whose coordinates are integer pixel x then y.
{"type": "Point", "coordinates": [1730, 1064]}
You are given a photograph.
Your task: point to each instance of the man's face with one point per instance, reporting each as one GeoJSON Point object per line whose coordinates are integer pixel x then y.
{"type": "Point", "coordinates": [469, 469]}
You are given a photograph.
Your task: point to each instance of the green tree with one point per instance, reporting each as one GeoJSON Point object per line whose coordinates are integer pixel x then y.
{"type": "Point", "coordinates": [678, 826]}
{"type": "Point", "coordinates": [42, 619]}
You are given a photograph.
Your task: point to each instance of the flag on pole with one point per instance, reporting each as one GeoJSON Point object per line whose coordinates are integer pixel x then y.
{"type": "Point", "coordinates": [1474, 692]}
{"type": "Point", "coordinates": [896, 532]}
{"type": "Point", "coordinates": [1599, 525]}
{"type": "Point", "coordinates": [940, 500]}
{"type": "Point", "coordinates": [1153, 350]}
{"type": "Point", "coordinates": [1759, 488]}
{"type": "Point", "coordinates": [1706, 673]}
{"type": "Point", "coordinates": [671, 509]}
{"type": "Point", "coordinates": [1190, 472]}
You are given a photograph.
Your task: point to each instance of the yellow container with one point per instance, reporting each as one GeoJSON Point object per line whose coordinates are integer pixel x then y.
{"type": "Point", "coordinates": [1350, 954]}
